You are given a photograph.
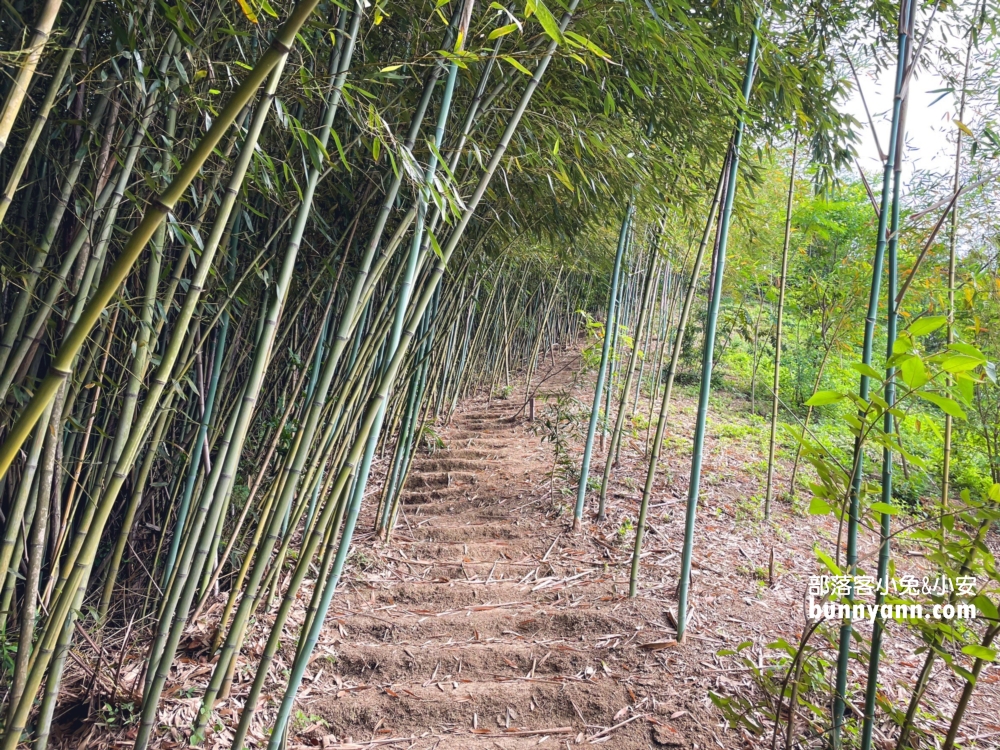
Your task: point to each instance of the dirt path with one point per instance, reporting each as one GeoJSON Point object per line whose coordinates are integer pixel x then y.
{"type": "Point", "coordinates": [487, 624]}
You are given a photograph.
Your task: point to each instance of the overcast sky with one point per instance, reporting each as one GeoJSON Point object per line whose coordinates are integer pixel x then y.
{"type": "Point", "coordinates": [929, 125]}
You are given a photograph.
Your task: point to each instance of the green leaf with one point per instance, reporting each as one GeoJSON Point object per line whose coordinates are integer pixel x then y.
{"type": "Point", "coordinates": [340, 149]}
{"type": "Point", "coordinates": [984, 605]}
{"type": "Point", "coordinates": [966, 387]}
{"type": "Point", "coordinates": [967, 349]}
{"type": "Point", "coordinates": [828, 561]}
{"type": "Point", "coordinates": [912, 371]}
{"type": "Point", "coordinates": [943, 403]}
{"type": "Point", "coordinates": [903, 344]}
{"type": "Point", "coordinates": [514, 63]}
{"type": "Point", "coordinates": [589, 45]}
{"type": "Point", "coordinates": [502, 31]}
{"type": "Point", "coordinates": [867, 370]}
{"type": "Point", "coordinates": [818, 506]}
{"type": "Point", "coordinates": [548, 21]}
{"type": "Point", "coordinates": [927, 324]}
{"type": "Point", "coordinates": [960, 363]}
{"type": "Point", "coordinates": [821, 398]}
{"type": "Point", "coordinates": [981, 652]}
{"type": "Point", "coordinates": [434, 244]}
{"type": "Point", "coordinates": [885, 508]}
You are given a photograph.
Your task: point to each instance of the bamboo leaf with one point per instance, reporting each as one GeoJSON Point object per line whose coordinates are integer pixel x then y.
{"type": "Point", "coordinates": [582, 41]}
{"type": "Point", "coordinates": [503, 31]}
{"type": "Point", "coordinates": [248, 11]}
{"type": "Point", "coordinates": [435, 245]}
{"type": "Point", "coordinates": [340, 149]}
{"type": "Point", "coordinates": [545, 18]}
{"type": "Point", "coordinates": [514, 63]}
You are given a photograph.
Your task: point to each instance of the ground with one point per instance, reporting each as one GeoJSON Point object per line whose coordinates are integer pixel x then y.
{"type": "Point", "coordinates": [486, 622]}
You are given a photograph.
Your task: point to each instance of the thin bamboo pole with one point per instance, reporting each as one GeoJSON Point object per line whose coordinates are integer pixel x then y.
{"type": "Point", "coordinates": [588, 446]}
{"type": "Point", "coordinates": [782, 285]}
{"type": "Point", "coordinates": [709, 346]}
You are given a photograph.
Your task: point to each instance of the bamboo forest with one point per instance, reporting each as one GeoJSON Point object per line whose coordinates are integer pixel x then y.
{"type": "Point", "coordinates": [452, 374]}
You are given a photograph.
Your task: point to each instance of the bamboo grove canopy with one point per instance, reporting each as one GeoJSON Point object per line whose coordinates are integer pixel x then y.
{"type": "Point", "coordinates": [246, 243]}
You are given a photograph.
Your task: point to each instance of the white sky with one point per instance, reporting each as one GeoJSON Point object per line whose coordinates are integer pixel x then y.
{"type": "Point", "coordinates": [929, 127]}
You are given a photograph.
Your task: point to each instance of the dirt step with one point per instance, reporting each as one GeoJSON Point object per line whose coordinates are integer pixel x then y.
{"type": "Point", "coordinates": [382, 663]}
{"type": "Point", "coordinates": [470, 532]}
{"type": "Point", "coordinates": [459, 509]}
{"type": "Point", "coordinates": [447, 463]}
{"type": "Point", "coordinates": [469, 453]}
{"type": "Point", "coordinates": [490, 442]}
{"type": "Point", "coordinates": [432, 596]}
{"type": "Point", "coordinates": [441, 479]}
{"type": "Point", "coordinates": [492, 511]}
{"type": "Point", "coordinates": [485, 432]}
{"type": "Point", "coordinates": [515, 621]}
{"type": "Point", "coordinates": [453, 709]}
{"type": "Point", "coordinates": [416, 497]}
{"type": "Point", "coordinates": [473, 569]}
{"type": "Point", "coordinates": [433, 552]}
{"type": "Point", "coordinates": [491, 413]}
{"type": "Point", "coordinates": [488, 423]}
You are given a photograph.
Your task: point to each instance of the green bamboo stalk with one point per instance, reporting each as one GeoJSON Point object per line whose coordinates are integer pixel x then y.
{"type": "Point", "coordinates": [348, 320]}
{"type": "Point", "coordinates": [902, 741]}
{"type": "Point", "coordinates": [661, 420]}
{"type": "Point", "coordinates": [61, 366]}
{"type": "Point", "coordinates": [13, 325]}
{"type": "Point", "coordinates": [709, 346]}
{"type": "Point", "coordinates": [36, 547]}
{"type": "Point", "coordinates": [952, 245]}
{"type": "Point", "coordinates": [32, 53]}
{"type": "Point", "coordinates": [782, 284]}
{"type": "Point", "coordinates": [616, 433]}
{"type": "Point", "coordinates": [130, 514]}
{"type": "Point", "coordinates": [588, 446]}
{"type": "Point", "coordinates": [878, 627]}
{"type": "Point", "coordinates": [372, 410]}
{"type": "Point", "coordinates": [970, 684]}
{"type": "Point", "coordinates": [184, 506]}
{"type": "Point", "coordinates": [296, 463]}
{"type": "Point", "coordinates": [409, 277]}
{"type": "Point", "coordinates": [42, 117]}
{"type": "Point", "coordinates": [17, 513]}
{"type": "Point", "coordinates": [896, 135]}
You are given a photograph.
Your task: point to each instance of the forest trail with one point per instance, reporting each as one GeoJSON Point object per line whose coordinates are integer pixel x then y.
{"type": "Point", "coordinates": [487, 623]}
{"type": "Point", "coordinates": [491, 625]}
